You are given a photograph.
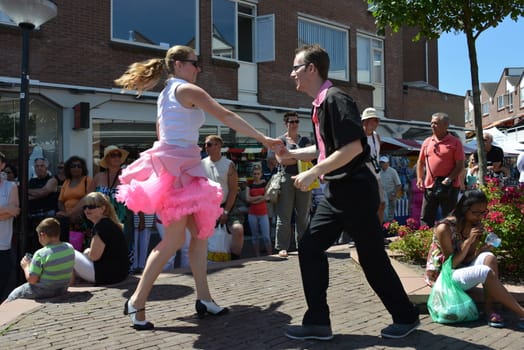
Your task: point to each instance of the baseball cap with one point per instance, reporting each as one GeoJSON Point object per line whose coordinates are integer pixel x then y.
{"type": "Point", "coordinates": [384, 159]}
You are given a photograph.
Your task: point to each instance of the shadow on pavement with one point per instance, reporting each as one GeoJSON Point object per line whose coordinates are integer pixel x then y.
{"type": "Point", "coordinates": [163, 292]}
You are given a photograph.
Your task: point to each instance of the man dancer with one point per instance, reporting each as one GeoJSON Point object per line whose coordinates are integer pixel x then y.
{"type": "Point", "coordinates": [350, 203]}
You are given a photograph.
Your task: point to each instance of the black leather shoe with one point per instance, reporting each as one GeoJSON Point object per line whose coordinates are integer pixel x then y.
{"type": "Point", "coordinates": [305, 332]}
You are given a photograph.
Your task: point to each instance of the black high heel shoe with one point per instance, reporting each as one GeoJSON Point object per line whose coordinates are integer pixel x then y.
{"type": "Point", "coordinates": [210, 307]}
{"type": "Point", "coordinates": [138, 325]}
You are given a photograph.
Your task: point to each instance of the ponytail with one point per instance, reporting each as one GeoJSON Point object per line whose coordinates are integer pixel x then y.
{"type": "Point", "coordinates": [142, 76]}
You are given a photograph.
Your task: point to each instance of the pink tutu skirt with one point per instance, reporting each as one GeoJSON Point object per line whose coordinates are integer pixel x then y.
{"type": "Point", "coordinates": [170, 181]}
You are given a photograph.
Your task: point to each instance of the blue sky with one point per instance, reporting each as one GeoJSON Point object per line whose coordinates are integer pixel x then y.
{"type": "Point", "coordinates": [497, 48]}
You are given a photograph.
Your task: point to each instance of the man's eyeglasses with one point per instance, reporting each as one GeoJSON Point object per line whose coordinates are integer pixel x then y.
{"type": "Point", "coordinates": [210, 144]}
{"type": "Point", "coordinates": [193, 62]}
{"type": "Point", "coordinates": [293, 121]}
{"type": "Point", "coordinates": [115, 155]}
{"type": "Point", "coordinates": [76, 165]}
{"type": "Point", "coordinates": [91, 206]}
{"type": "Point", "coordinates": [298, 66]}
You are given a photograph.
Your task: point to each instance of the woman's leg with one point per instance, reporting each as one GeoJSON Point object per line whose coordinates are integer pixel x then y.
{"type": "Point", "coordinates": [302, 205]}
{"type": "Point", "coordinates": [495, 290]}
{"type": "Point", "coordinates": [255, 232]}
{"type": "Point", "coordinates": [264, 229]}
{"type": "Point", "coordinates": [145, 235]}
{"type": "Point", "coordinates": [198, 261]}
{"type": "Point", "coordinates": [84, 267]}
{"type": "Point", "coordinates": [174, 235]}
{"type": "Point", "coordinates": [284, 209]}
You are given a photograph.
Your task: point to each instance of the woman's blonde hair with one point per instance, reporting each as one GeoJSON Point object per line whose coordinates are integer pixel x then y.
{"type": "Point", "coordinates": [100, 199]}
{"type": "Point", "coordinates": [145, 75]}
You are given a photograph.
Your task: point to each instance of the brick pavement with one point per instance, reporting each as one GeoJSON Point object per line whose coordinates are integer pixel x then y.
{"type": "Point", "coordinates": [264, 296]}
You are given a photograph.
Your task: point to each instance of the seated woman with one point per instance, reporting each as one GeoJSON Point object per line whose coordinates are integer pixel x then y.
{"type": "Point", "coordinates": [105, 261]}
{"type": "Point", "coordinates": [473, 262]}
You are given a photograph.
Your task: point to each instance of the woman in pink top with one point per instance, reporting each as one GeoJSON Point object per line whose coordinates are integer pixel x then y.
{"type": "Point", "coordinates": [168, 179]}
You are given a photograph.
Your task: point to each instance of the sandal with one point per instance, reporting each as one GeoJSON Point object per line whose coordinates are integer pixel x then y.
{"type": "Point", "coordinates": [520, 323]}
{"type": "Point", "coordinates": [495, 320]}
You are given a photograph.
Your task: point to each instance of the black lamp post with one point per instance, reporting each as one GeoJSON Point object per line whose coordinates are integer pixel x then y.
{"type": "Point", "coordinates": [28, 14]}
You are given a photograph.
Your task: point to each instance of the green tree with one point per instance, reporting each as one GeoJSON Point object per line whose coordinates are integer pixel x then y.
{"type": "Point", "coordinates": [434, 17]}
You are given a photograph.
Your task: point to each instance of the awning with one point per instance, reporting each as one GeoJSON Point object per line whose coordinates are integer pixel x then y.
{"type": "Point", "coordinates": [244, 149]}
{"type": "Point", "coordinates": [391, 144]}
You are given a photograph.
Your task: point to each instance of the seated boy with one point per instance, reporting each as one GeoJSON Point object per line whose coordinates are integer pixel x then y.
{"type": "Point", "coordinates": [49, 271]}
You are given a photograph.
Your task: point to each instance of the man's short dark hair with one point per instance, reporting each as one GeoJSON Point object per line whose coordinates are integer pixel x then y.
{"type": "Point", "coordinates": [315, 54]}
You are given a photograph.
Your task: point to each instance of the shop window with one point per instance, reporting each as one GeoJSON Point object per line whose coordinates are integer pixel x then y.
{"type": "Point", "coordinates": [43, 130]}
{"type": "Point", "coordinates": [155, 22]}
{"type": "Point", "coordinates": [333, 39]}
{"type": "Point", "coordinates": [132, 136]}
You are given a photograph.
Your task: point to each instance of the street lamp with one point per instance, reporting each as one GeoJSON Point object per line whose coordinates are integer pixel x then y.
{"type": "Point", "coordinates": [28, 14]}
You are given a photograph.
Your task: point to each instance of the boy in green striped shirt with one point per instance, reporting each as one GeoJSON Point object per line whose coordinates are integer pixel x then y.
{"type": "Point", "coordinates": [49, 271]}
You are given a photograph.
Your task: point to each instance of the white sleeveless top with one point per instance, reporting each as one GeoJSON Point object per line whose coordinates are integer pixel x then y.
{"type": "Point", "coordinates": [177, 125]}
{"type": "Point", "coordinates": [6, 226]}
{"type": "Point", "coordinates": [217, 171]}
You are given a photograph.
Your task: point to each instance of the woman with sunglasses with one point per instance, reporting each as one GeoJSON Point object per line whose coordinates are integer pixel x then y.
{"type": "Point", "coordinates": [291, 200]}
{"type": "Point", "coordinates": [107, 181]}
{"type": "Point", "coordinates": [461, 235]}
{"type": "Point", "coordinates": [105, 261]}
{"type": "Point", "coordinates": [169, 180]}
{"type": "Point", "coordinates": [75, 187]}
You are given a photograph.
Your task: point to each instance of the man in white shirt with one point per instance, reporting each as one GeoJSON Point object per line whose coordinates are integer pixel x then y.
{"type": "Point", "coordinates": [370, 121]}
{"type": "Point", "coordinates": [392, 185]}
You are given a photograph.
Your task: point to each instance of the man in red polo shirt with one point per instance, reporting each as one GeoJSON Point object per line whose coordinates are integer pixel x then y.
{"type": "Point", "coordinates": [441, 159]}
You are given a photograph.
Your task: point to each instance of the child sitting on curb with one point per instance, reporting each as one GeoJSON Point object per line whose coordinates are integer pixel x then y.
{"type": "Point", "coordinates": [55, 256]}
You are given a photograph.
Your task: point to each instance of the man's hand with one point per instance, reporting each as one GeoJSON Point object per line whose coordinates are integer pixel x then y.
{"type": "Point", "coordinates": [273, 144]}
{"type": "Point", "coordinates": [303, 180]}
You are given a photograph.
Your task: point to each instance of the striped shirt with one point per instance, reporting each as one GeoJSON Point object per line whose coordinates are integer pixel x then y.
{"type": "Point", "coordinates": [54, 264]}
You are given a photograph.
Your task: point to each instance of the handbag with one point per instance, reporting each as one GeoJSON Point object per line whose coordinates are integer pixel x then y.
{"type": "Point", "coordinates": [273, 188]}
{"type": "Point", "coordinates": [447, 302]}
{"type": "Point", "coordinates": [219, 245]}
{"type": "Point", "coordinates": [304, 165]}
{"type": "Point", "coordinates": [439, 189]}
{"type": "Point", "coordinates": [76, 238]}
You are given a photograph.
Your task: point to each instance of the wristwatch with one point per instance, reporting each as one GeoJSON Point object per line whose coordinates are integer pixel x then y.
{"type": "Point", "coordinates": [226, 212]}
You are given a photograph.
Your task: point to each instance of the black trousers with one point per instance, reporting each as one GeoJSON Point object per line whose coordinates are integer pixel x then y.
{"type": "Point", "coordinates": [350, 204]}
{"type": "Point", "coordinates": [430, 205]}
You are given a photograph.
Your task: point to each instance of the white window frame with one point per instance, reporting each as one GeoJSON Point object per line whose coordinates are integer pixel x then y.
{"type": "Point", "coordinates": [345, 73]}
{"type": "Point", "coordinates": [485, 109]}
{"type": "Point", "coordinates": [162, 45]}
{"type": "Point", "coordinates": [522, 97]}
{"type": "Point", "coordinates": [368, 76]}
{"type": "Point", "coordinates": [263, 39]}
{"type": "Point", "coordinates": [510, 101]}
{"type": "Point", "coordinates": [500, 102]}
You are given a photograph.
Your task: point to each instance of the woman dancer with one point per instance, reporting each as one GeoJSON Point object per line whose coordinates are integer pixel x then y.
{"type": "Point", "coordinates": [168, 179]}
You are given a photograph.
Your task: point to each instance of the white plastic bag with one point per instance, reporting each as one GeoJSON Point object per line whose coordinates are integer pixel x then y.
{"type": "Point", "coordinates": [219, 245]}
